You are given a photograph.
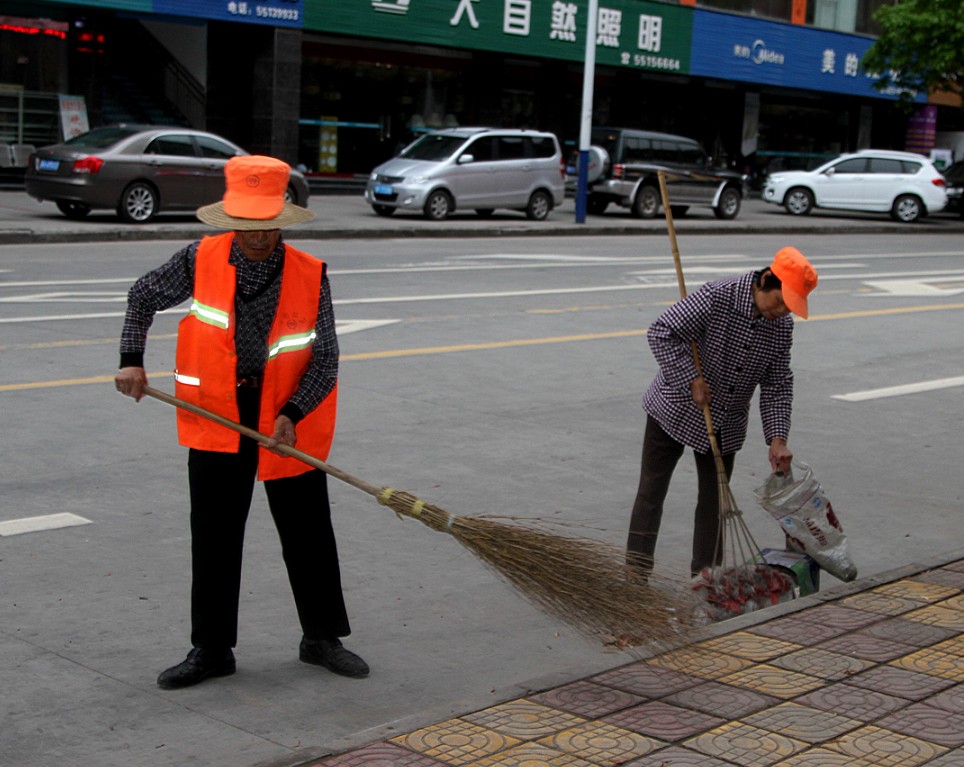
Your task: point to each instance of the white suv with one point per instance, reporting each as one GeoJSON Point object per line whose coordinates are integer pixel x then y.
{"type": "Point", "coordinates": [476, 168]}
{"type": "Point", "coordinates": [906, 185]}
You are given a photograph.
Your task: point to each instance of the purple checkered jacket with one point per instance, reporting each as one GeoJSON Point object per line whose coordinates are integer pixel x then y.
{"type": "Point", "coordinates": [739, 350]}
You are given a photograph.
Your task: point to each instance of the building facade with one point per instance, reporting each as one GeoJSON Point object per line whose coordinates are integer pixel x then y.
{"type": "Point", "coordinates": [338, 87]}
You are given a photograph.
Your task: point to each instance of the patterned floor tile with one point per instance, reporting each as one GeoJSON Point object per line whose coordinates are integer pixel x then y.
{"type": "Point", "coordinates": [908, 632]}
{"type": "Point", "coordinates": [927, 723]}
{"type": "Point", "coordinates": [699, 662]}
{"type": "Point", "coordinates": [950, 759]}
{"type": "Point", "coordinates": [861, 645]}
{"type": "Point", "coordinates": [793, 629]}
{"type": "Point", "coordinates": [953, 646]}
{"type": "Point", "coordinates": [772, 680]}
{"type": "Point", "coordinates": [900, 682]}
{"type": "Point", "coordinates": [822, 664]}
{"type": "Point", "coordinates": [676, 756]}
{"type": "Point", "coordinates": [379, 755]}
{"type": "Point", "coordinates": [532, 755]}
{"type": "Point", "coordinates": [885, 748]}
{"type": "Point", "coordinates": [722, 700]}
{"type": "Point", "coordinates": [665, 721]}
{"type": "Point", "coordinates": [455, 742]}
{"type": "Point", "coordinates": [917, 591]}
{"type": "Point", "coordinates": [839, 617]}
{"type": "Point", "coordinates": [954, 603]}
{"type": "Point", "coordinates": [931, 661]}
{"type": "Point", "coordinates": [822, 757]}
{"type": "Point", "coordinates": [865, 705]}
{"type": "Point", "coordinates": [811, 725]}
{"type": "Point", "coordinates": [751, 646]}
{"type": "Point", "coordinates": [939, 615]}
{"type": "Point", "coordinates": [951, 699]}
{"type": "Point", "coordinates": [587, 699]}
{"type": "Point", "coordinates": [647, 681]}
{"type": "Point", "coordinates": [942, 577]}
{"type": "Point", "coordinates": [523, 719]}
{"type": "Point", "coordinates": [881, 602]}
{"type": "Point", "coordinates": [601, 743]}
{"type": "Point", "coordinates": [745, 745]}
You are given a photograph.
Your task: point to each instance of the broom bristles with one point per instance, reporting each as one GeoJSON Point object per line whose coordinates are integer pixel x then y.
{"type": "Point", "coordinates": [583, 582]}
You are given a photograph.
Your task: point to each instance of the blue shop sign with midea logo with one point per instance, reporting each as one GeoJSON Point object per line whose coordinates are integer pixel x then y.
{"type": "Point", "coordinates": [770, 53]}
{"type": "Point", "coordinates": [275, 13]}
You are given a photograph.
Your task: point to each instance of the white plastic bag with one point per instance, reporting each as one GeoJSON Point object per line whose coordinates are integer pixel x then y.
{"type": "Point", "coordinates": [798, 503]}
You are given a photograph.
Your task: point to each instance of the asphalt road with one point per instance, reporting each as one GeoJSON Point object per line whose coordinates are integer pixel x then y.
{"type": "Point", "coordinates": [488, 375]}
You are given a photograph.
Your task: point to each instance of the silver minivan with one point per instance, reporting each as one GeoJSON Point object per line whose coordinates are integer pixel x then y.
{"type": "Point", "coordinates": [479, 169]}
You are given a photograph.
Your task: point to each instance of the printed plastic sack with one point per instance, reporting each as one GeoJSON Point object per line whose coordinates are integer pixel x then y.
{"type": "Point", "coordinates": [798, 503]}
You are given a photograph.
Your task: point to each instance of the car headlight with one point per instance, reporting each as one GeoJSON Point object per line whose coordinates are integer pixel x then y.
{"type": "Point", "coordinates": [373, 176]}
{"type": "Point", "coordinates": [774, 179]}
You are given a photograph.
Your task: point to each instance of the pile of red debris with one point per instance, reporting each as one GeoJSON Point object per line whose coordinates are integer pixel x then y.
{"type": "Point", "coordinates": [742, 589]}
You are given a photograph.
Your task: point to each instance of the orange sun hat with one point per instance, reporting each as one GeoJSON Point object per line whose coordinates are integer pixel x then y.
{"type": "Point", "coordinates": [254, 196]}
{"type": "Point", "coordinates": [798, 277]}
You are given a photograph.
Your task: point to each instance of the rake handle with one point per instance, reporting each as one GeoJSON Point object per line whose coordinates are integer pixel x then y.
{"type": "Point", "coordinates": [667, 210]}
{"type": "Point", "coordinates": [247, 431]}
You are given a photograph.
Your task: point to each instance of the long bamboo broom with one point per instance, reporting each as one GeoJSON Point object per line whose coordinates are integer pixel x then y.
{"type": "Point", "coordinates": [581, 581]}
{"type": "Point", "coordinates": [742, 581]}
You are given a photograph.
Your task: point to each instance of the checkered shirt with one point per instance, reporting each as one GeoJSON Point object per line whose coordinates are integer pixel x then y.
{"type": "Point", "coordinates": [739, 350]}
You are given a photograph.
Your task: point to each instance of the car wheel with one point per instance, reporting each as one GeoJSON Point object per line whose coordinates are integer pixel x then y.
{"type": "Point", "coordinates": [73, 210]}
{"type": "Point", "coordinates": [484, 212]}
{"type": "Point", "coordinates": [907, 209]}
{"type": "Point", "coordinates": [291, 195]}
{"type": "Point", "coordinates": [646, 204]}
{"type": "Point", "coordinates": [138, 203]}
{"type": "Point", "coordinates": [799, 201]}
{"type": "Point", "coordinates": [540, 205]}
{"type": "Point", "coordinates": [729, 205]}
{"type": "Point", "coordinates": [383, 210]}
{"type": "Point", "coordinates": [438, 206]}
{"type": "Point", "coordinates": [597, 205]}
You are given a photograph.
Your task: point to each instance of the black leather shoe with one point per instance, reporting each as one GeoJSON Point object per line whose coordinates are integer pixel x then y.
{"type": "Point", "coordinates": [199, 665]}
{"type": "Point", "coordinates": [333, 656]}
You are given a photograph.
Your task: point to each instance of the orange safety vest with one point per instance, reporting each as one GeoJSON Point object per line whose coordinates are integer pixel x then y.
{"type": "Point", "coordinates": [206, 360]}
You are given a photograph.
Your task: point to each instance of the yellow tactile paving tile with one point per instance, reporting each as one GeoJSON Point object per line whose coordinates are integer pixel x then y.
{"type": "Point", "coordinates": [953, 646]}
{"type": "Point", "coordinates": [532, 755]}
{"type": "Point", "coordinates": [602, 744]}
{"type": "Point", "coordinates": [954, 603]}
{"type": "Point", "coordinates": [884, 748]}
{"type": "Point", "coordinates": [772, 680]}
{"type": "Point", "coordinates": [810, 725]}
{"type": "Point", "coordinates": [882, 603]}
{"type": "Point", "coordinates": [456, 742]}
{"type": "Point", "coordinates": [916, 590]}
{"type": "Point", "coordinates": [699, 662]}
{"type": "Point", "coordinates": [933, 662]}
{"type": "Point", "coordinates": [745, 745]}
{"type": "Point", "coordinates": [750, 646]}
{"type": "Point", "coordinates": [822, 757]}
{"type": "Point", "coordinates": [938, 615]}
{"type": "Point", "coordinates": [822, 664]}
{"type": "Point", "coordinates": [523, 719]}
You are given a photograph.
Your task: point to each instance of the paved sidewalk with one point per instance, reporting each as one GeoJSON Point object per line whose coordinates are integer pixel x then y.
{"type": "Point", "coordinates": [865, 675]}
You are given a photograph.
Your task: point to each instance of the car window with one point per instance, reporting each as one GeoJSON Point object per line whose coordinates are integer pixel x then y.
{"type": "Point", "coordinates": [511, 148]}
{"type": "Point", "coordinates": [691, 154]}
{"type": "Point", "coordinates": [886, 165]}
{"type": "Point", "coordinates": [911, 167]}
{"type": "Point", "coordinates": [433, 147]}
{"type": "Point", "coordinates": [637, 149]}
{"type": "Point", "coordinates": [483, 149]}
{"type": "Point", "coordinates": [179, 146]}
{"type": "Point", "coordinates": [854, 165]}
{"type": "Point", "coordinates": [664, 151]}
{"type": "Point", "coordinates": [101, 137]}
{"type": "Point", "coordinates": [211, 147]}
{"type": "Point", "coordinates": [541, 146]}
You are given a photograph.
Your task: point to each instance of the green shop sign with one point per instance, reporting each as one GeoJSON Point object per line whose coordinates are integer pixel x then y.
{"type": "Point", "coordinates": [630, 33]}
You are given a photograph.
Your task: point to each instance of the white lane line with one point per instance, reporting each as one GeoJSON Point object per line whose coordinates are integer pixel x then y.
{"type": "Point", "coordinates": [899, 391]}
{"type": "Point", "coordinates": [37, 524]}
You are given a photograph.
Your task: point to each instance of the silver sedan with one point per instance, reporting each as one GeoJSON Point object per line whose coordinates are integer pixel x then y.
{"type": "Point", "coordinates": [138, 171]}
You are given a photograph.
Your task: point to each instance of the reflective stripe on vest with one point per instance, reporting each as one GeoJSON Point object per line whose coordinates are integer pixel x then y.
{"type": "Point", "coordinates": [210, 315]}
{"type": "Point", "coordinates": [292, 343]}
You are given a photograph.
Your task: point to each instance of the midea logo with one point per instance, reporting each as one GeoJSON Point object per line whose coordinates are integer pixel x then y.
{"type": "Point", "coordinates": [762, 55]}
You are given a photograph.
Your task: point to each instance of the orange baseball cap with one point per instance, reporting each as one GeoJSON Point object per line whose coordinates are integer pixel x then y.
{"type": "Point", "coordinates": [254, 196]}
{"type": "Point", "coordinates": [798, 277]}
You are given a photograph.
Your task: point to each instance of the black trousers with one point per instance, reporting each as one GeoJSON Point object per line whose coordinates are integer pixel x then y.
{"type": "Point", "coordinates": [221, 487]}
{"type": "Point", "coordinates": [661, 453]}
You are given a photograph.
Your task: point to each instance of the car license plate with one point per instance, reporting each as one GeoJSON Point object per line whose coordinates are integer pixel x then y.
{"type": "Point", "coordinates": [48, 164]}
{"type": "Point", "coordinates": [383, 189]}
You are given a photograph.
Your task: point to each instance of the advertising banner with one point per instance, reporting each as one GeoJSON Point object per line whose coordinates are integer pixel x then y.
{"type": "Point", "coordinates": [275, 13]}
{"type": "Point", "coordinates": [630, 33]}
{"type": "Point", "coordinates": [754, 51]}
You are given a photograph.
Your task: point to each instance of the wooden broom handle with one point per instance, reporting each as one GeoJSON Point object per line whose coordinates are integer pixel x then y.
{"type": "Point", "coordinates": [293, 452]}
{"type": "Point", "coordinates": [667, 210]}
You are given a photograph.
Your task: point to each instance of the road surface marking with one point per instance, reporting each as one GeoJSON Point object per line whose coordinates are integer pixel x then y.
{"type": "Point", "coordinates": [899, 391]}
{"type": "Point", "coordinates": [36, 524]}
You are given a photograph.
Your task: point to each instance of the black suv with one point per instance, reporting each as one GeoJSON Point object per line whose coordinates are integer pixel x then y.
{"type": "Point", "coordinates": [623, 165]}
